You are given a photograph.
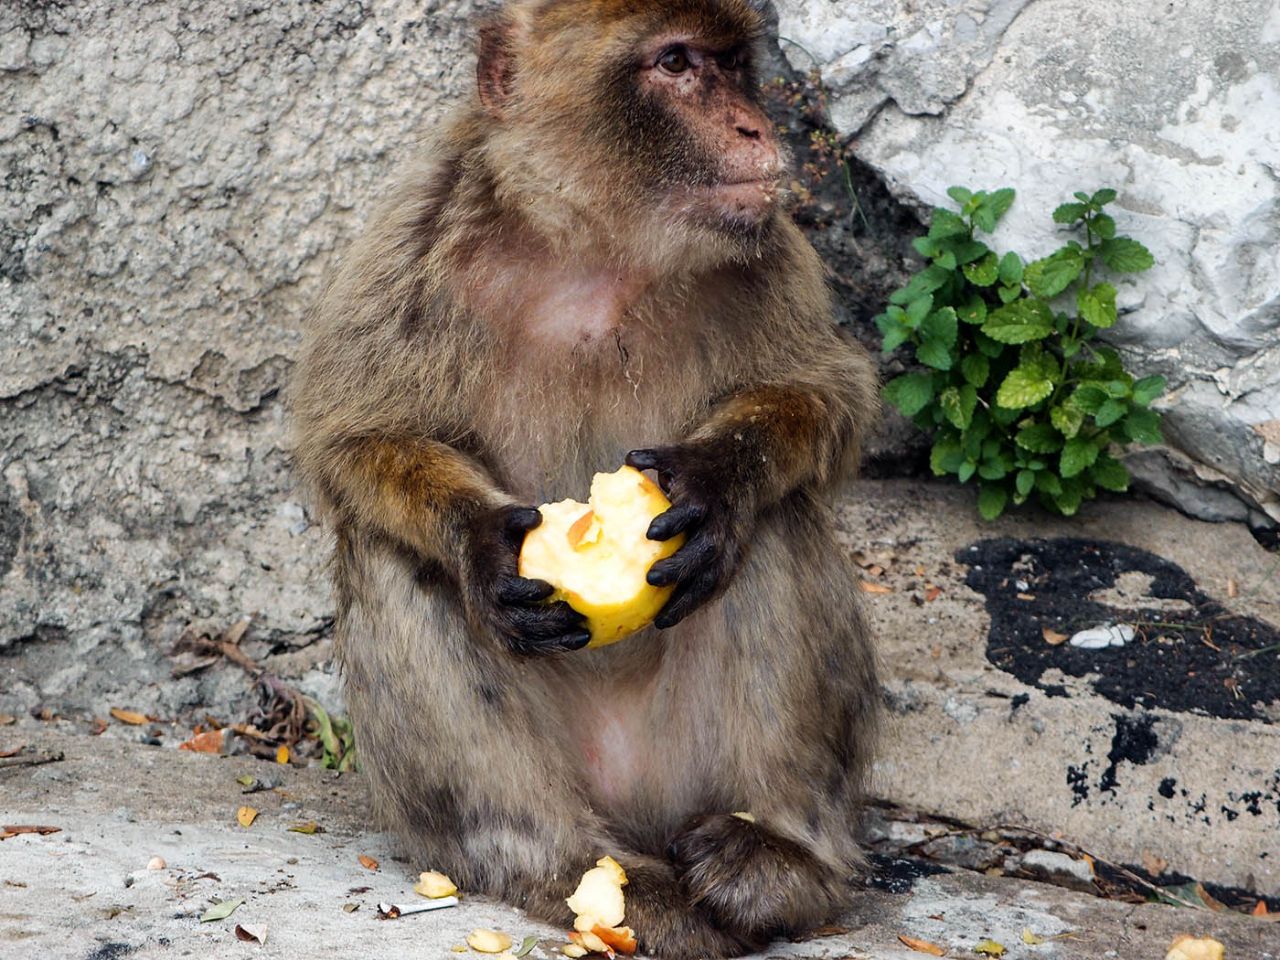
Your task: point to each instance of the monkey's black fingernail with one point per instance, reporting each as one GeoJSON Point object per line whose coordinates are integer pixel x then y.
{"type": "Point", "coordinates": [523, 518]}
{"type": "Point", "coordinates": [660, 578]}
{"type": "Point", "coordinates": [642, 459]}
{"type": "Point", "coordinates": [576, 641]}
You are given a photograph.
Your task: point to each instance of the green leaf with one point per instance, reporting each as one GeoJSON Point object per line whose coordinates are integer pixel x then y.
{"type": "Point", "coordinates": [1076, 455]}
{"type": "Point", "coordinates": [1103, 197]}
{"type": "Point", "coordinates": [1009, 292]}
{"type": "Point", "coordinates": [960, 195]}
{"type": "Point", "coordinates": [1011, 268]}
{"type": "Point", "coordinates": [1125, 255]}
{"type": "Point", "coordinates": [958, 404]}
{"type": "Point", "coordinates": [947, 456]}
{"type": "Point", "coordinates": [1143, 426]}
{"type": "Point", "coordinates": [941, 325]}
{"type": "Point", "coordinates": [1025, 481]}
{"type": "Point", "coordinates": [1049, 483]}
{"type": "Point", "coordinates": [528, 944]}
{"type": "Point", "coordinates": [993, 207]}
{"type": "Point", "coordinates": [1110, 474]}
{"type": "Point", "coordinates": [926, 281]}
{"type": "Point", "coordinates": [1068, 500]}
{"type": "Point", "coordinates": [983, 273]}
{"type": "Point", "coordinates": [1051, 275]}
{"type": "Point", "coordinates": [1147, 389]}
{"type": "Point", "coordinates": [976, 368]}
{"type": "Point", "coordinates": [895, 333]}
{"type": "Point", "coordinates": [220, 910]}
{"type": "Point", "coordinates": [946, 260]}
{"type": "Point", "coordinates": [967, 470]}
{"type": "Point", "coordinates": [1119, 388]}
{"type": "Point", "coordinates": [918, 309]}
{"type": "Point", "coordinates": [925, 246]}
{"type": "Point", "coordinates": [1024, 386]}
{"type": "Point", "coordinates": [1098, 306]}
{"type": "Point", "coordinates": [1081, 196]}
{"type": "Point", "coordinates": [967, 251]}
{"type": "Point", "coordinates": [1110, 412]}
{"type": "Point", "coordinates": [1067, 418]}
{"type": "Point", "coordinates": [947, 224]}
{"type": "Point", "coordinates": [933, 352]}
{"type": "Point", "coordinates": [1088, 397]}
{"type": "Point", "coordinates": [910, 393]}
{"type": "Point", "coordinates": [1039, 438]}
{"type": "Point", "coordinates": [974, 311]}
{"type": "Point", "coordinates": [1019, 322]}
{"type": "Point", "coordinates": [991, 501]}
{"type": "Point", "coordinates": [1104, 226]}
{"type": "Point", "coordinates": [987, 346]}
{"type": "Point", "coordinates": [1070, 212]}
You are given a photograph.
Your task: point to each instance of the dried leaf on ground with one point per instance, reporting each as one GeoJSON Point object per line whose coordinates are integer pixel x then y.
{"type": "Point", "coordinates": [211, 741]}
{"type": "Point", "coordinates": [1153, 864]}
{"type": "Point", "coordinates": [1260, 909]}
{"type": "Point", "coordinates": [1195, 948]}
{"type": "Point", "coordinates": [868, 587]}
{"type": "Point", "coordinates": [488, 941]}
{"type": "Point", "coordinates": [282, 754]}
{"type": "Point", "coordinates": [990, 948]}
{"type": "Point", "coordinates": [6, 719]}
{"type": "Point", "coordinates": [1052, 637]}
{"type": "Point", "coordinates": [1233, 588]}
{"type": "Point", "coordinates": [528, 944]}
{"type": "Point", "coordinates": [98, 727]}
{"type": "Point", "coordinates": [1032, 939]}
{"type": "Point", "coordinates": [350, 907]}
{"type": "Point", "coordinates": [367, 862]}
{"type": "Point", "coordinates": [11, 753]}
{"type": "Point", "coordinates": [310, 826]}
{"type": "Point", "coordinates": [14, 830]}
{"type": "Point", "coordinates": [251, 934]}
{"type": "Point", "coordinates": [922, 946]}
{"type": "Point", "coordinates": [131, 717]}
{"type": "Point", "coordinates": [246, 816]}
{"type": "Point", "coordinates": [221, 910]}
{"type": "Point", "coordinates": [932, 593]}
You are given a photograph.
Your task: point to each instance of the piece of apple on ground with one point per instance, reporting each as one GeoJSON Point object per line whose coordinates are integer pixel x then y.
{"type": "Point", "coordinates": [597, 556]}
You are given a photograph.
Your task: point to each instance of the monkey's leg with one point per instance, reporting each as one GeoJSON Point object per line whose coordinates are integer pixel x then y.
{"type": "Point", "coordinates": [465, 750]}
{"type": "Point", "coordinates": [789, 635]}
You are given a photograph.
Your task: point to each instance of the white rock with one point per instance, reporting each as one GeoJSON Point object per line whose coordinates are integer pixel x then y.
{"type": "Point", "coordinates": [1049, 98]}
{"type": "Point", "coordinates": [1106, 635]}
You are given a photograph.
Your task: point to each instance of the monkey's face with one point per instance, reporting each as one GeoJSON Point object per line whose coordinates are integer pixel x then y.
{"type": "Point", "coordinates": [692, 131]}
{"type": "Point", "coordinates": [640, 119]}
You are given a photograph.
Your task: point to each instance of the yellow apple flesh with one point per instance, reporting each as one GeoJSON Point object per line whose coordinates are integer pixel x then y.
{"type": "Point", "coordinates": [597, 556]}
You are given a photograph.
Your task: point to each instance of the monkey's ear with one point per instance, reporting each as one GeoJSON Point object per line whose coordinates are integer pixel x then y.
{"type": "Point", "coordinates": [495, 63]}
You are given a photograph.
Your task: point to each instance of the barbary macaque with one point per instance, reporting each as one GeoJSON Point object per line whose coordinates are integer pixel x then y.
{"type": "Point", "coordinates": [594, 265]}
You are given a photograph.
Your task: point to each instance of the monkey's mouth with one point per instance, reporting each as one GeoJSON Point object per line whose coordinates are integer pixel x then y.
{"type": "Point", "coordinates": [743, 201]}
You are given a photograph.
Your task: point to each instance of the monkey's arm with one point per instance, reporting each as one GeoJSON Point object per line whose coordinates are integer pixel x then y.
{"type": "Point", "coordinates": [443, 507]}
{"type": "Point", "coordinates": [756, 446]}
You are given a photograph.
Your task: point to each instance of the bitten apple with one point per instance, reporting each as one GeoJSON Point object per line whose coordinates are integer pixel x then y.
{"type": "Point", "coordinates": [597, 556]}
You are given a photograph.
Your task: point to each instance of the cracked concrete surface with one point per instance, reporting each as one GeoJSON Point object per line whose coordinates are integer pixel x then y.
{"type": "Point", "coordinates": [1175, 105]}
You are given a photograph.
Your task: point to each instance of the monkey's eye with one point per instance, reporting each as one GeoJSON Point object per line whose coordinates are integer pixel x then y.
{"type": "Point", "coordinates": [729, 60]}
{"type": "Point", "coordinates": [675, 60]}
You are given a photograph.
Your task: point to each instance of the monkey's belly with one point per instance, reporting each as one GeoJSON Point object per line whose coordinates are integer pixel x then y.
{"type": "Point", "coordinates": [614, 758]}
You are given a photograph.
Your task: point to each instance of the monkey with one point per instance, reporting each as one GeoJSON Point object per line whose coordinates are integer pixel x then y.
{"type": "Point", "coordinates": [592, 263]}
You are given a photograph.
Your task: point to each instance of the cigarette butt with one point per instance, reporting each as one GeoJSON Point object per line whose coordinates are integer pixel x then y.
{"type": "Point", "coordinates": [391, 911]}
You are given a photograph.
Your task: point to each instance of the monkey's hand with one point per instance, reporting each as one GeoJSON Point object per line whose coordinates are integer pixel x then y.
{"type": "Point", "coordinates": [503, 603]}
{"type": "Point", "coordinates": [716, 518]}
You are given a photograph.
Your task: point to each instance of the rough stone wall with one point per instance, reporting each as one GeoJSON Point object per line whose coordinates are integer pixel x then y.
{"type": "Point", "coordinates": [1176, 104]}
{"type": "Point", "coordinates": [176, 179]}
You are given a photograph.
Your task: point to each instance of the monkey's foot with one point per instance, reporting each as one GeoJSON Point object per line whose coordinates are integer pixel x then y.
{"type": "Point", "coordinates": [668, 926]}
{"type": "Point", "coordinates": [751, 880]}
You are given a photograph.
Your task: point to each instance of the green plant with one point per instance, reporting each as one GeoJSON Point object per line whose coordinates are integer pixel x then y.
{"type": "Point", "coordinates": [336, 736]}
{"type": "Point", "coordinates": [1018, 393]}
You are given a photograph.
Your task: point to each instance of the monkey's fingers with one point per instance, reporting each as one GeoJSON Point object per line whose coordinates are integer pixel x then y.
{"type": "Point", "coordinates": [657, 459]}
{"type": "Point", "coordinates": [694, 556]}
{"type": "Point", "coordinates": [512, 589]}
{"type": "Point", "coordinates": [517, 522]}
{"type": "Point", "coordinates": [687, 598]}
{"type": "Point", "coordinates": [549, 628]}
{"type": "Point", "coordinates": [676, 520]}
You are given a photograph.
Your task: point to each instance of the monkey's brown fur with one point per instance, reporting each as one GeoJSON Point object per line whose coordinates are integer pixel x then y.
{"type": "Point", "coordinates": [450, 375]}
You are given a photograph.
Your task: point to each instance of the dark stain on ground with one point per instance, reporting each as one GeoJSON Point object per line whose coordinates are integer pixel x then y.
{"type": "Point", "coordinates": [1111, 878]}
{"type": "Point", "coordinates": [1135, 741]}
{"type": "Point", "coordinates": [111, 951]}
{"type": "Point", "coordinates": [899, 874]}
{"type": "Point", "coordinates": [1199, 659]}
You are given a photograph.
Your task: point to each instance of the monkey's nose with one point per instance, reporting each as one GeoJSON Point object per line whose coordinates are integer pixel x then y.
{"type": "Point", "coordinates": [751, 133]}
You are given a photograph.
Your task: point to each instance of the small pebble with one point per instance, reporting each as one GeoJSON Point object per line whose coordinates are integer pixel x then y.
{"type": "Point", "coordinates": [156, 863]}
